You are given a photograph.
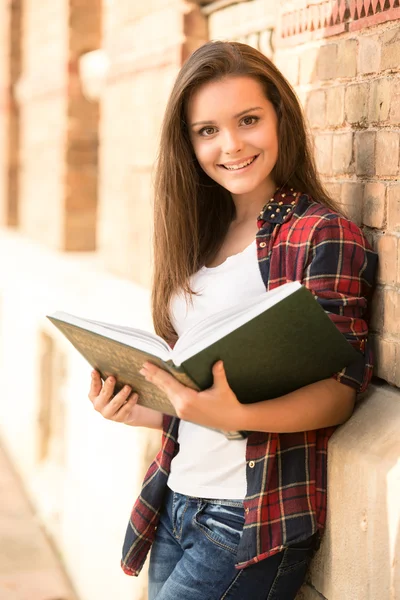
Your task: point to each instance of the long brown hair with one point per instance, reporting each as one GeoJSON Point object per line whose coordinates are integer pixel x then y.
{"type": "Point", "coordinates": [192, 212]}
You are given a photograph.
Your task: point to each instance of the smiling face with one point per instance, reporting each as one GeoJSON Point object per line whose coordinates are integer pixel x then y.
{"type": "Point", "coordinates": [233, 130]}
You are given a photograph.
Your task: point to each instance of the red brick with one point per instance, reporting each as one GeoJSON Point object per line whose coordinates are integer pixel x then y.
{"type": "Point", "coordinates": [387, 153]}
{"type": "Point", "coordinates": [387, 264]}
{"type": "Point", "coordinates": [374, 205]}
{"type": "Point", "coordinates": [365, 152]}
{"type": "Point", "coordinates": [393, 207]}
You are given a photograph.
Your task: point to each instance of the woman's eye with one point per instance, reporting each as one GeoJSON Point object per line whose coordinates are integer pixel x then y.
{"type": "Point", "coordinates": [249, 120]}
{"type": "Point", "coordinates": [206, 131]}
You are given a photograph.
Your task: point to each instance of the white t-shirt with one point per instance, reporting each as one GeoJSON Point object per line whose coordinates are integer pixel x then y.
{"type": "Point", "coordinates": [207, 464]}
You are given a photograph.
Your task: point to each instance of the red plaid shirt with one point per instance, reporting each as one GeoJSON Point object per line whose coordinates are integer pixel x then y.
{"type": "Point", "coordinates": [297, 240]}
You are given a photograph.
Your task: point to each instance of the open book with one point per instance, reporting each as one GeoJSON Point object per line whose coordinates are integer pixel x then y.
{"type": "Point", "coordinates": [271, 345]}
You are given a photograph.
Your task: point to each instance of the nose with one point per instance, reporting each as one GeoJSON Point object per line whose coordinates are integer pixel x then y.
{"type": "Point", "coordinates": [232, 143]}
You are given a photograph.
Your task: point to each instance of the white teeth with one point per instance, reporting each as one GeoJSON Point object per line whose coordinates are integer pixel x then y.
{"type": "Point", "coordinates": [240, 165]}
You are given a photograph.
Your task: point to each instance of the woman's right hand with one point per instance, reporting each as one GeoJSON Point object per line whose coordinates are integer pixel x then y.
{"type": "Point", "coordinates": [122, 407]}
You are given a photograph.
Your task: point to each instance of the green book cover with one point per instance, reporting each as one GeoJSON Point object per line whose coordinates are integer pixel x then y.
{"type": "Point", "coordinates": [290, 345]}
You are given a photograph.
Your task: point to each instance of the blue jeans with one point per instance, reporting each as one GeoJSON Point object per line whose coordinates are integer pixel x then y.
{"type": "Point", "coordinates": [193, 556]}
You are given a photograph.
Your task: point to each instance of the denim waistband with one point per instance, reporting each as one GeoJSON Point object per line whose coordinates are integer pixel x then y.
{"type": "Point", "coordinates": [218, 501]}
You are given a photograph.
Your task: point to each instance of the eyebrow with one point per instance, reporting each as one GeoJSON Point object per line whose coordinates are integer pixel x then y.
{"type": "Point", "coordinates": [243, 112]}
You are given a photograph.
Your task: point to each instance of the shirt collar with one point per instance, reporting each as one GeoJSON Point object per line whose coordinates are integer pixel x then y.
{"type": "Point", "coordinates": [280, 207]}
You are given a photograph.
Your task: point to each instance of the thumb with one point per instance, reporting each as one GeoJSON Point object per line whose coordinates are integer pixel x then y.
{"type": "Point", "coordinates": [219, 374]}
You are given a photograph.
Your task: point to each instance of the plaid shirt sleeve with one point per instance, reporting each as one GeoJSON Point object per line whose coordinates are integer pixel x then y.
{"type": "Point", "coordinates": [340, 273]}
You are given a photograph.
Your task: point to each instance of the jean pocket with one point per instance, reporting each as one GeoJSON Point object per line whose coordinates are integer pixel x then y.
{"type": "Point", "coordinates": [298, 555]}
{"type": "Point", "coordinates": [291, 572]}
{"type": "Point", "coordinates": [221, 524]}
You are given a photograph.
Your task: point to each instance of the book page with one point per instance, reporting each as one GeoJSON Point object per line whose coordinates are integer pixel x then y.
{"type": "Point", "coordinates": [136, 338]}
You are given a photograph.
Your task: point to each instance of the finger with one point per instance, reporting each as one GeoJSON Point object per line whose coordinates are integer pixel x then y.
{"type": "Point", "coordinates": [163, 380]}
{"type": "Point", "coordinates": [124, 413]}
{"type": "Point", "coordinates": [95, 385]}
{"type": "Point", "coordinates": [219, 375]}
{"type": "Point", "coordinates": [110, 410]}
{"type": "Point", "coordinates": [105, 395]}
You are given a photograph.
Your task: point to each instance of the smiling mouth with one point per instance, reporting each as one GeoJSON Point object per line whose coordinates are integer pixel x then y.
{"type": "Point", "coordinates": [240, 166]}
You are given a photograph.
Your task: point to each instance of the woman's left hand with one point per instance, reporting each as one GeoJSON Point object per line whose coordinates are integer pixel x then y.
{"type": "Point", "coordinates": [216, 407]}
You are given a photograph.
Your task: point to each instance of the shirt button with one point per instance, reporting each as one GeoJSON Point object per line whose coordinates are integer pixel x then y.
{"type": "Point", "coordinates": [262, 244]}
{"type": "Point", "coordinates": [252, 464]}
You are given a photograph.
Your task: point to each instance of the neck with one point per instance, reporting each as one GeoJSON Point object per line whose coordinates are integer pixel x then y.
{"type": "Point", "coordinates": [249, 206]}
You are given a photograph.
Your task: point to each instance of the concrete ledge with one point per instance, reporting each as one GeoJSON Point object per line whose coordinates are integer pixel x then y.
{"type": "Point", "coordinates": [359, 558]}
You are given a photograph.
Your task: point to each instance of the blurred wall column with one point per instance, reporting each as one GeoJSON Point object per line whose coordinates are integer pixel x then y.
{"type": "Point", "coordinates": [58, 147]}
{"type": "Point", "coordinates": [82, 131]}
{"type": "Point", "coordinates": [146, 43]}
{"type": "Point", "coordinates": [10, 66]}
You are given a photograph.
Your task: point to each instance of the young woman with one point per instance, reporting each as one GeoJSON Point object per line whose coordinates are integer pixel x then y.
{"type": "Point", "coordinates": [239, 210]}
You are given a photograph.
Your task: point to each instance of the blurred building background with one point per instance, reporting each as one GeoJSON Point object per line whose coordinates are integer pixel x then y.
{"type": "Point", "coordinates": [83, 85]}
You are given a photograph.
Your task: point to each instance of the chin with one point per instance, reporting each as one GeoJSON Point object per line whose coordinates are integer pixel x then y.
{"type": "Point", "coordinates": [240, 189]}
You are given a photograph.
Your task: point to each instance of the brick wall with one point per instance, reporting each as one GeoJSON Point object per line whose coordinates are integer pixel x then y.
{"type": "Point", "coordinates": [349, 85]}
{"type": "Point", "coordinates": [250, 22]}
{"type": "Point", "coordinates": [58, 141]}
{"type": "Point", "coordinates": [42, 95]}
{"type": "Point", "coordinates": [146, 43]}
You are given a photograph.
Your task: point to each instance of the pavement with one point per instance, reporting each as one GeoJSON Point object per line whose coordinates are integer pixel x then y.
{"type": "Point", "coordinates": [29, 566]}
